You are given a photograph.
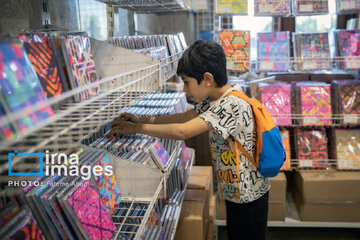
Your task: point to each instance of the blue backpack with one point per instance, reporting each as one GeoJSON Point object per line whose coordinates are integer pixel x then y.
{"type": "Point", "coordinates": [270, 154]}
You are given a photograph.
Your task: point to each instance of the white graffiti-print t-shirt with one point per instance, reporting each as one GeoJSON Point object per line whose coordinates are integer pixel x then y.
{"type": "Point", "coordinates": [232, 117]}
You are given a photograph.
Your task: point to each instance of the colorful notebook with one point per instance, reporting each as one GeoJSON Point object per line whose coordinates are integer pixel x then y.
{"type": "Point", "coordinates": [285, 137]}
{"type": "Point", "coordinates": [272, 8]}
{"type": "Point", "coordinates": [348, 49]}
{"type": "Point", "coordinates": [236, 45]}
{"type": "Point", "coordinates": [22, 226]}
{"type": "Point", "coordinates": [159, 154]}
{"type": "Point", "coordinates": [347, 6]}
{"type": "Point", "coordinates": [347, 148]}
{"type": "Point", "coordinates": [20, 86]}
{"type": "Point", "coordinates": [7, 129]}
{"type": "Point", "coordinates": [273, 51]}
{"type": "Point", "coordinates": [108, 188]}
{"type": "Point", "coordinates": [312, 51]}
{"type": "Point", "coordinates": [80, 64]}
{"type": "Point", "coordinates": [93, 218]}
{"type": "Point", "coordinates": [346, 100]}
{"type": "Point", "coordinates": [311, 148]}
{"type": "Point", "coordinates": [276, 98]}
{"type": "Point", "coordinates": [310, 7]}
{"type": "Point", "coordinates": [42, 57]}
{"type": "Point", "coordinates": [232, 7]}
{"type": "Point", "coordinates": [314, 103]}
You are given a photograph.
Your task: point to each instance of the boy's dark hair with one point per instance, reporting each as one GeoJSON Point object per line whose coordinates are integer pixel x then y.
{"type": "Point", "coordinates": [203, 57]}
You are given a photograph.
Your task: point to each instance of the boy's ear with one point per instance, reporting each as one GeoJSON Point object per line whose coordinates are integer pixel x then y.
{"type": "Point", "coordinates": [209, 79]}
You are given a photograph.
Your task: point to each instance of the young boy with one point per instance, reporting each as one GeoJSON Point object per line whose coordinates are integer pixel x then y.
{"type": "Point", "coordinates": [203, 70]}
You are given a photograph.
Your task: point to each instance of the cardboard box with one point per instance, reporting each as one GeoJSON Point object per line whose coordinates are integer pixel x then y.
{"type": "Point", "coordinates": [220, 207]}
{"type": "Point", "coordinates": [199, 196]}
{"type": "Point", "coordinates": [191, 223]}
{"type": "Point", "coordinates": [211, 231]}
{"type": "Point", "coordinates": [212, 212]}
{"type": "Point", "coordinates": [328, 186]}
{"type": "Point", "coordinates": [277, 211]}
{"type": "Point", "coordinates": [204, 171]}
{"type": "Point", "coordinates": [277, 191]}
{"type": "Point", "coordinates": [327, 211]}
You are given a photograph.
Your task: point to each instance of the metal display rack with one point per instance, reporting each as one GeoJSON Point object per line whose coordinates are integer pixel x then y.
{"type": "Point", "coordinates": [124, 76]}
{"type": "Point", "coordinates": [152, 6]}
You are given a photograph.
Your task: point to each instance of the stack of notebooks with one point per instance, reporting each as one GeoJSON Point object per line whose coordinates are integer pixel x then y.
{"type": "Point", "coordinates": [312, 51]}
{"type": "Point", "coordinates": [347, 148]}
{"type": "Point", "coordinates": [348, 49]}
{"type": "Point", "coordinates": [236, 45]}
{"type": "Point", "coordinates": [68, 207]}
{"type": "Point", "coordinates": [273, 51]}
{"type": "Point", "coordinates": [272, 8]}
{"type": "Point", "coordinates": [310, 7]}
{"type": "Point", "coordinates": [239, 7]}
{"type": "Point", "coordinates": [311, 148]}
{"type": "Point", "coordinates": [347, 6]}
{"type": "Point", "coordinates": [313, 103]}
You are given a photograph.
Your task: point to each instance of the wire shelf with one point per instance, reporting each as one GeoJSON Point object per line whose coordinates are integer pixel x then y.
{"type": "Point", "coordinates": [127, 78]}
{"type": "Point", "coordinates": [152, 6]}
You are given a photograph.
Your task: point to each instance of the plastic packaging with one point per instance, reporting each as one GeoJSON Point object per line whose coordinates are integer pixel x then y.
{"type": "Point", "coordinates": [272, 8]}
{"type": "Point", "coordinates": [276, 97]}
{"type": "Point", "coordinates": [285, 137]}
{"type": "Point", "coordinates": [346, 101]}
{"type": "Point", "coordinates": [236, 45]}
{"type": "Point", "coordinates": [348, 49]}
{"type": "Point", "coordinates": [347, 148]}
{"type": "Point", "coordinates": [273, 52]}
{"type": "Point", "coordinates": [310, 7]}
{"type": "Point", "coordinates": [313, 103]}
{"type": "Point", "coordinates": [311, 148]}
{"type": "Point", "coordinates": [312, 51]}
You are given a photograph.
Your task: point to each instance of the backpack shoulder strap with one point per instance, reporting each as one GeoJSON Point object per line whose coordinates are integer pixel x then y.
{"type": "Point", "coordinates": [237, 143]}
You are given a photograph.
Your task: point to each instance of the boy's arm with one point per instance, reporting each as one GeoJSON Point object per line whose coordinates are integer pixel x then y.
{"type": "Point", "coordinates": [173, 118]}
{"type": "Point", "coordinates": [180, 131]}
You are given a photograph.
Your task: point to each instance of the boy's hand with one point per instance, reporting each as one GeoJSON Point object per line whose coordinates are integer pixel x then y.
{"type": "Point", "coordinates": [123, 127]}
{"type": "Point", "coordinates": [127, 117]}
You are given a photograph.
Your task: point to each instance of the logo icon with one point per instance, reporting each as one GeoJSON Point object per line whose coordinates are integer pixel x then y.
{"type": "Point", "coordinates": [17, 154]}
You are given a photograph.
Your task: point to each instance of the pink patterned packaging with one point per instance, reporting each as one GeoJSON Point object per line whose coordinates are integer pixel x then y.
{"type": "Point", "coordinates": [276, 98]}
{"type": "Point", "coordinates": [313, 103]}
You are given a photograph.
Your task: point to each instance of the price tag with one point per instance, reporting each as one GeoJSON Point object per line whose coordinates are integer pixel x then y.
{"type": "Point", "coordinates": [310, 120]}
{"type": "Point", "coordinates": [347, 5]}
{"type": "Point", "coordinates": [305, 163]}
{"type": "Point", "coordinates": [309, 65]}
{"type": "Point", "coordinates": [266, 65]}
{"type": "Point", "coordinates": [225, 9]}
{"type": "Point", "coordinates": [353, 64]}
{"type": "Point", "coordinates": [265, 9]}
{"type": "Point", "coordinates": [351, 118]}
{"type": "Point", "coordinates": [306, 8]}
{"type": "Point", "coordinates": [230, 65]}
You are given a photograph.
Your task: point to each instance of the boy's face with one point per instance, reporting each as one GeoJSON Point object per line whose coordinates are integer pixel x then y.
{"type": "Point", "coordinates": [196, 92]}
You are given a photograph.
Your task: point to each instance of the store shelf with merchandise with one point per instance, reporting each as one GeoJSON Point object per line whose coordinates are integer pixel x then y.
{"type": "Point", "coordinates": [124, 77]}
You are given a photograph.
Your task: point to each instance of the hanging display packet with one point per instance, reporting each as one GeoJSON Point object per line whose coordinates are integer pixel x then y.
{"type": "Point", "coordinates": [347, 148]}
{"type": "Point", "coordinates": [80, 64]}
{"type": "Point", "coordinates": [348, 49]}
{"type": "Point", "coordinates": [312, 51]}
{"type": "Point", "coordinates": [272, 8]}
{"type": "Point", "coordinates": [310, 7]}
{"type": "Point", "coordinates": [42, 57]}
{"type": "Point", "coordinates": [20, 86]}
{"type": "Point", "coordinates": [311, 148]}
{"type": "Point", "coordinates": [313, 101]}
{"type": "Point", "coordinates": [273, 51]}
{"type": "Point", "coordinates": [239, 7]}
{"type": "Point", "coordinates": [236, 46]}
{"type": "Point", "coordinates": [285, 137]}
{"type": "Point", "coordinates": [276, 98]}
{"type": "Point", "coordinates": [347, 6]}
{"type": "Point", "coordinates": [346, 101]}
